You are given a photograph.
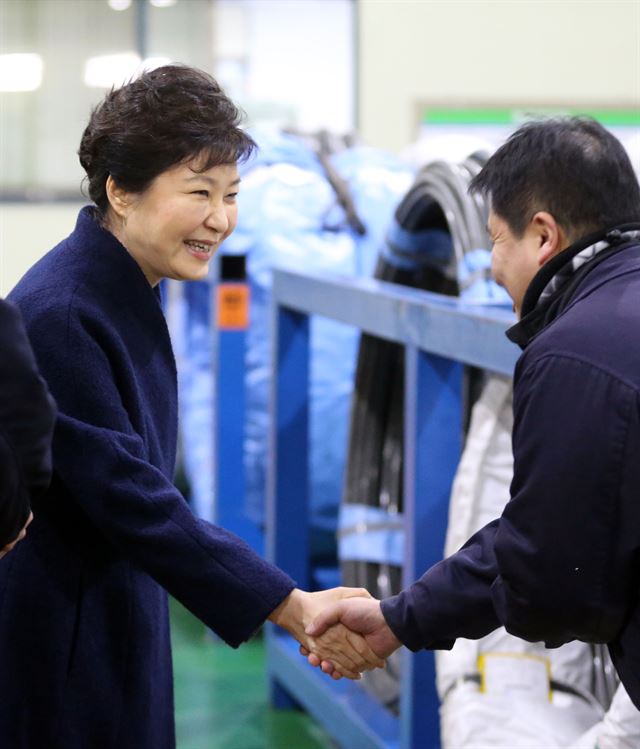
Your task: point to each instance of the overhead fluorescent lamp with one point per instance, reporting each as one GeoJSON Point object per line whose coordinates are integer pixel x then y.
{"type": "Point", "coordinates": [20, 72]}
{"type": "Point", "coordinates": [106, 71]}
{"type": "Point", "coordinates": [162, 3]}
{"type": "Point", "coordinates": [119, 4]}
{"type": "Point", "coordinates": [151, 63]}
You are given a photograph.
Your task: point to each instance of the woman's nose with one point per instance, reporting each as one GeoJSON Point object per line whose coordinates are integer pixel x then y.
{"type": "Point", "coordinates": [217, 219]}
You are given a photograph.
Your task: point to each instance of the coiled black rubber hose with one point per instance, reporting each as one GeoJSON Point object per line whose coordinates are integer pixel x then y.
{"type": "Point", "coordinates": [438, 200]}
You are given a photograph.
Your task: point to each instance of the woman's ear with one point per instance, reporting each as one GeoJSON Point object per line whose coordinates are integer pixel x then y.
{"type": "Point", "coordinates": [549, 235]}
{"type": "Point", "coordinates": [119, 199]}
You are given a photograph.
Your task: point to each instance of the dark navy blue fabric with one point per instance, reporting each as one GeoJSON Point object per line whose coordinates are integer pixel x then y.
{"type": "Point", "coordinates": [85, 656]}
{"type": "Point", "coordinates": [27, 415]}
{"type": "Point", "coordinates": [563, 561]}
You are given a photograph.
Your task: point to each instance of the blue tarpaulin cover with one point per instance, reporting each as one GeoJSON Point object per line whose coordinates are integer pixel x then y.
{"type": "Point", "coordinates": [289, 217]}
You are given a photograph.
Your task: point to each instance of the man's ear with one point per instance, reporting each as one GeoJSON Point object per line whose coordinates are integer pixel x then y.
{"type": "Point", "coordinates": [119, 199]}
{"type": "Point", "coordinates": [549, 235]}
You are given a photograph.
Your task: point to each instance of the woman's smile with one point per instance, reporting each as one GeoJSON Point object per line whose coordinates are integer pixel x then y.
{"type": "Point", "coordinates": [185, 213]}
{"type": "Point", "coordinates": [200, 249]}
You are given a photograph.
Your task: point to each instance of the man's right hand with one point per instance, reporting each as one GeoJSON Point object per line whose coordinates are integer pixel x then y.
{"type": "Point", "coordinates": [341, 651]}
{"type": "Point", "coordinates": [361, 615]}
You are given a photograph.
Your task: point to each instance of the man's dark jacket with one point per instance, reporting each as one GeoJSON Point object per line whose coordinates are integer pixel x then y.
{"type": "Point", "coordinates": [563, 561]}
{"type": "Point", "coordinates": [27, 415]}
{"type": "Point", "coordinates": [85, 660]}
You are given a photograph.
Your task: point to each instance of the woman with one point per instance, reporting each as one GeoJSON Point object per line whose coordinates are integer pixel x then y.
{"type": "Point", "coordinates": [85, 660]}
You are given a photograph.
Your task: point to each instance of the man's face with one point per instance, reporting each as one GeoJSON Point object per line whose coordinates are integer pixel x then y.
{"type": "Point", "coordinates": [514, 261]}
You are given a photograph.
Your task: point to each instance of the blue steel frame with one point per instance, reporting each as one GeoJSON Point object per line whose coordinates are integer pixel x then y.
{"type": "Point", "coordinates": [229, 422]}
{"type": "Point", "coordinates": [440, 335]}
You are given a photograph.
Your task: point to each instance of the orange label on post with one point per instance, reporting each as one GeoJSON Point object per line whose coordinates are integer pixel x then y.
{"type": "Point", "coordinates": [232, 306]}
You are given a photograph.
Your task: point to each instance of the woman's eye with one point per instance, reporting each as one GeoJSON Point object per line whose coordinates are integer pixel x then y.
{"type": "Point", "coordinates": [231, 196]}
{"type": "Point", "coordinates": [205, 193]}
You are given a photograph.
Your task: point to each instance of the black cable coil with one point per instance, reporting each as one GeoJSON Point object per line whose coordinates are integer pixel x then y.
{"type": "Point", "coordinates": [435, 225]}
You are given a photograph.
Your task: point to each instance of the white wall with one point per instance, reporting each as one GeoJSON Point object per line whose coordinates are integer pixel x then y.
{"type": "Point", "coordinates": [447, 52]}
{"type": "Point", "coordinates": [288, 61]}
{"type": "Point", "coordinates": [500, 52]}
{"type": "Point", "coordinates": [27, 231]}
{"type": "Point", "coordinates": [40, 130]}
{"type": "Point", "coordinates": [290, 58]}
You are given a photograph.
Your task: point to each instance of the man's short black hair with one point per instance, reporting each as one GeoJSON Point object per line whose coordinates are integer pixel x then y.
{"type": "Point", "coordinates": [571, 167]}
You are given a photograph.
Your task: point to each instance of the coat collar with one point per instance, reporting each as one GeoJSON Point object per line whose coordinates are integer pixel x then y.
{"type": "Point", "coordinates": [105, 261]}
{"type": "Point", "coordinates": [539, 307]}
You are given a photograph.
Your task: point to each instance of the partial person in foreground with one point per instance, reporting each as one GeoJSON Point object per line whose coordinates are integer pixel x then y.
{"type": "Point", "coordinates": [85, 657]}
{"type": "Point", "coordinates": [27, 415]}
{"type": "Point", "coordinates": [562, 562]}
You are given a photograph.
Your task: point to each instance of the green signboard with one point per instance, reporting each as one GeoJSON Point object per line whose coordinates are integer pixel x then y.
{"type": "Point", "coordinates": [517, 115]}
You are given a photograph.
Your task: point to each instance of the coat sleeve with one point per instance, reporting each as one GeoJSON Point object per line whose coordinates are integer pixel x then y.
{"type": "Point", "coordinates": [451, 600]}
{"type": "Point", "coordinates": [27, 414]}
{"type": "Point", "coordinates": [103, 463]}
{"type": "Point", "coordinates": [555, 567]}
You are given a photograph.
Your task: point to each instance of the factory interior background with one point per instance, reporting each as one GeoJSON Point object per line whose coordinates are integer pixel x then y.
{"type": "Point", "coordinates": [344, 97]}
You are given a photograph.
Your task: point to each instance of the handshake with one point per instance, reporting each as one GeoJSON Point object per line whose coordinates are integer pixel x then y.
{"type": "Point", "coordinates": [341, 630]}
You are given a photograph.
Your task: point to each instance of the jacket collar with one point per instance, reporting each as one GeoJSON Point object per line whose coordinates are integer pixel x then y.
{"type": "Point", "coordinates": [110, 263]}
{"type": "Point", "coordinates": [539, 307]}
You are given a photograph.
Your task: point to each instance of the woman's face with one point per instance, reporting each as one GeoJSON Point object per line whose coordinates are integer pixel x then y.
{"type": "Point", "coordinates": [175, 226]}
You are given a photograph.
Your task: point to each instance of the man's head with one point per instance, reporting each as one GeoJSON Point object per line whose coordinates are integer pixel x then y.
{"type": "Point", "coordinates": [553, 182]}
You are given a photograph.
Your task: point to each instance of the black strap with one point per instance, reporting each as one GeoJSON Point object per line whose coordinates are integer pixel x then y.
{"type": "Point", "coordinates": [555, 686]}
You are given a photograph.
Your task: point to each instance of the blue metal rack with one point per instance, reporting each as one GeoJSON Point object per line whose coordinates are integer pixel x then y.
{"type": "Point", "coordinates": [440, 335]}
{"type": "Point", "coordinates": [229, 348]}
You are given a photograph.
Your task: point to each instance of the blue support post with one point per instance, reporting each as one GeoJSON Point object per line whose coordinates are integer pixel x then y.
{"type": "Point", "coordinates": [229, 439]}
{"type": "Point", "coordinates": [433, 440]}
{"type": "Point", "coordinates": [439, 335]}
{"type": "Point", "coordinates": [232, 319]}
{"type": "Point", "coordinates": [288, 475]}
{"type": "Point", "coordinates": [348, 713]}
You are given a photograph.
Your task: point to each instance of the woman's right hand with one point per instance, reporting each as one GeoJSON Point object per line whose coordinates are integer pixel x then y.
{"type": "Point", "coordinates": [347, 652]}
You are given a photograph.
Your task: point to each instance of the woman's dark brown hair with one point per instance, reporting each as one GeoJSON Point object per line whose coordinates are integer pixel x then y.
{"type": "Point", "coordinates": [165, 117]}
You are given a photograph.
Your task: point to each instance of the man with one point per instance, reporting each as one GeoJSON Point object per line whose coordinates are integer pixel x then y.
{"type": "Point", "coordinates": [27, 415]}
{"type": "Point", "coordinates": [563, 560]}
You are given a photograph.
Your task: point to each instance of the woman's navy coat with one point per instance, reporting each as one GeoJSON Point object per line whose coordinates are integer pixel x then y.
{"type": "Point", "coordinates": [85, 653]}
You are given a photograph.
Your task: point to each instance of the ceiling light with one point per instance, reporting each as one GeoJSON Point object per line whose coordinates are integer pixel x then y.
{"type": "Point", "coordinates": [115, 70]}
{"type": "Point", "coordinates": [119, 4]}
{"type": "Point", "coordinates": [20, 72]}
{"type": "Point", "coordinates": [162, 3]}
{"type": "Point", "coordinates": [106, 71]}
{"type": "Point", "coordinates": [151, 63]}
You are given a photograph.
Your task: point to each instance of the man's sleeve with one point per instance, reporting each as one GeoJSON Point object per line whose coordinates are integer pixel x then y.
{"type": "Point", "coordinates": [553, 567]}
{"type": "Point", "coordinates": [451, 600]}
{"type": "Point", "coordinates": [103, 462]}
{"type": "Point", "coordinates": [27, 415]}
